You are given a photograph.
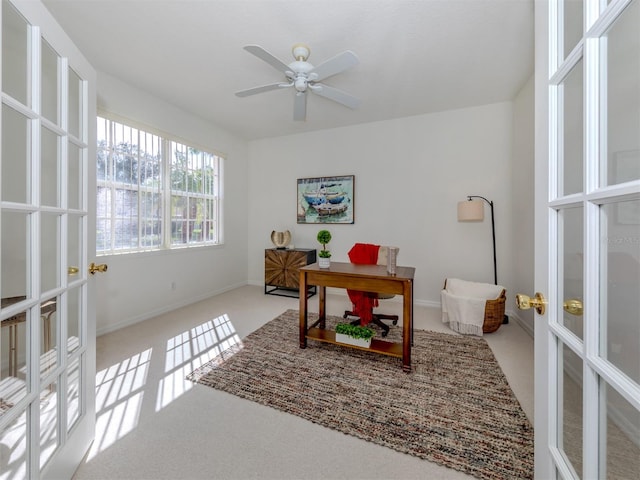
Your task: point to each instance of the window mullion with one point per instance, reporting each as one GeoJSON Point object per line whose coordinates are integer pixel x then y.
{"type": "Point", "coordinates": [167, 197]}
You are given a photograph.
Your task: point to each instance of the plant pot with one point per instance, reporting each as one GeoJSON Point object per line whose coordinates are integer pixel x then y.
{"type": "Point", "coordinates": [358, 342]}
{"type": "Point", "coordinates": [324, 262]}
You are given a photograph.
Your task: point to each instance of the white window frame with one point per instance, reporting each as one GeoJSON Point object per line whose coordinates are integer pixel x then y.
{"type": "Point", "coordinates": [201, 202]}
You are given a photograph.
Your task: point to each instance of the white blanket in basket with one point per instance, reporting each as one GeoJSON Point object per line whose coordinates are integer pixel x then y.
{"type": "Point", "coordinates": [463, 304]}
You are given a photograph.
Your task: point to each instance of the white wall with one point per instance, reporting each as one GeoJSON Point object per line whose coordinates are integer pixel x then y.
{"type": "Point", "coordinates": [522, 200]}
{"type": "Point", "coordinates": [409, 175]}
{"type": "Point", "coordinates": [139, 286]}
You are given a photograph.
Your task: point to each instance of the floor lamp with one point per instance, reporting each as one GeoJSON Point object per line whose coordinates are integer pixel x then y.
{"type": "Point", "coordinates": [473, 211]}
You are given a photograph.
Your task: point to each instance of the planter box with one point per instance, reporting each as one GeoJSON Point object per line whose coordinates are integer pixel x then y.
{"type": "Point", "coordinates": [358, 342]}
{"type": "Point", "coordinates": [324, 262]}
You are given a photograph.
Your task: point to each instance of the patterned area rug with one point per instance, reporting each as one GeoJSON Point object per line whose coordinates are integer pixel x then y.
{"type": "Point", "coordinates": [455, 409]}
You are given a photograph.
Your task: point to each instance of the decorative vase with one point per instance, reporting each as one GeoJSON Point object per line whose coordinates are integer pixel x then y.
{"type": "Point", "coordinates": [281, 239]}
{"type": "Point", "coordinates": [391, 260]}
{"type": "Point", "coordinates": [324, 262]}
{"type": "Point", "coordinates": [358, 342]}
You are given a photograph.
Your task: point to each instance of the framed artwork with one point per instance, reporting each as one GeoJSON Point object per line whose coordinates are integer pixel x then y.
{"type": "Point", "coordinates": [326, 199]}
{"type": "Point", "coordinates": [627, 168]}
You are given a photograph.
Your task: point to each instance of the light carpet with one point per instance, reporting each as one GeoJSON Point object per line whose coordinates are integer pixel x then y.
{"type": "Point", "coordinates": [455, 408]}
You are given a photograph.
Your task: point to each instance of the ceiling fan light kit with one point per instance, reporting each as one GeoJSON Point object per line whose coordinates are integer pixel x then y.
{"type": "Point", "coordinates": [304, 77]}
{"type": "Point", "coordinates": [301, 52]}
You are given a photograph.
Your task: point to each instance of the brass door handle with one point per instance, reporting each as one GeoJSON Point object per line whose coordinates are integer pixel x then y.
{"type": "Point", "coordinates": [72, 270]}
{"type": "Point", "coordinates": [93, 268]}
{"type": "Point", "coordinates": [573, 306]}
{"type": "Point", "coordinates": [524, 302]}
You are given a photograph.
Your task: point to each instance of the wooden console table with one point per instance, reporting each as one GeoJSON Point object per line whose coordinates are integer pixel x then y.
{"type": "Point", "coordinates": [366, 278]}
{"type": "Point", "coordinates": [281, 266]}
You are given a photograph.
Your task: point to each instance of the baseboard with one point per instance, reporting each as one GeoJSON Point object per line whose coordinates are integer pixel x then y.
{"type": "Point", "coordinates": [513, 317]}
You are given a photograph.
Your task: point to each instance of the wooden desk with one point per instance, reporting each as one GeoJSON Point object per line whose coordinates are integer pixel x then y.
{"type": "Point", "coordinates": [365, 278]}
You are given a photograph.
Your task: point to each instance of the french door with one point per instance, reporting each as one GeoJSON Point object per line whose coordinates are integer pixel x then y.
{"type": "Point", "coordinates": [47, 339]}
{"type": "Point", "coordinates": [587, 341]}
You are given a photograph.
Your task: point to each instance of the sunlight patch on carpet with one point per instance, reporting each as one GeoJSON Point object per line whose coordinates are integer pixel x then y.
{"type": "Point", "coordinates": [192, 349]}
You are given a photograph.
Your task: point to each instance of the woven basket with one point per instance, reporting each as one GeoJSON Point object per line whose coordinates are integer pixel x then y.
{"type": "Point", "coordinates": [493, 312]}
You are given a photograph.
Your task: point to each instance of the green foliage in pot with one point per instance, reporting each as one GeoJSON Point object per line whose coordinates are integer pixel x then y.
{"type": "Point", "coordinates": [355, 331]}
{"type": "Point", "coordinates": [324, 237]}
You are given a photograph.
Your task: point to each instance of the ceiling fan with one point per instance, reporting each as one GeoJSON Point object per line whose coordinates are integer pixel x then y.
{"type": "Point", "coordinates": [304, 77]}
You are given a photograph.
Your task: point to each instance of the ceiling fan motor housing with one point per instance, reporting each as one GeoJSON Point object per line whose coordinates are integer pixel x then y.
{"type": "Point", "coordinates": [300, 71]}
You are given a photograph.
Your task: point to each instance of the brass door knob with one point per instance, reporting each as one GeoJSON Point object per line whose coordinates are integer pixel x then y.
{"type": "Point", "coordinates": [573, 306]}
{"type": "Point", "coordinates": [525, 302]}
{"type": "Point", "coordinates": [93, 268]}
{"type": "Point", "coordinates": [72, 270]}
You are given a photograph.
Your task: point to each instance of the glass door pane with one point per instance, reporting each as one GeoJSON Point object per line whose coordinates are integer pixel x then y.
{"type": "Point", "coordinates": [622, 426]}
{"type": "Point", "coordinates": [14, 249]}
{"type": "Point", "coordinates": [15, 126]}
{"type": "Point", "coordinates": [76, 106]}
{"type": "Point", "coordinates": [570, 406]}
{"type": "Point", "coordinates": [74, 177]}
{"type": "Point", "coordinates": [49, 355]}
{"type": "Point", "coordinates": [49, 89]}
{"type": "Point", "coordinates": [49, 161]}
{"type": "Point", "coordinates": [573, 13]}
{"type": "Point", "coordinates": [74, 317]}
{"type": "Point", "coordinates": [50, 250]}
{"type": "Point", "coordinates": [15, 54]}
{"type": "Point", "coordinates": [572, 280]}
{"type": "Point", "coordinates": [13, 458]}
{"type": "Point", "coordinates": [74, 245]}
{"type": "Point", "coordinates": [571, 170]}
{"type": "Point", "coordinates": [620, 284]}
{"type": "Point", "coordinates": [623, 96]}
{"type": "Point", "coordinates": [48, 423]}
{"type": "Point", "coordinates": [74, 393]}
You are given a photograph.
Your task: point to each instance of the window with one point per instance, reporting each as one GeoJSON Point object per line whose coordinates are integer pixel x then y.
{"type": "Point", "coordinates": [153, 193]}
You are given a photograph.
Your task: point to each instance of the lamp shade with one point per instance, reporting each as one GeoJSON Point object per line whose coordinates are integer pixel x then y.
{"type": "Point", "coordinates": [470, 211]}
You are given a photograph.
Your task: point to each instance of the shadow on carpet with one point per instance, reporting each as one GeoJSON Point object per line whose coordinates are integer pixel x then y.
{"type": "Point", "coordinates": [455, 408]}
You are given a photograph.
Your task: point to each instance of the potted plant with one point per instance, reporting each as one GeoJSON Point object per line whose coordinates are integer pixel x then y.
{"type": "Point", "coordinates": [354, 335]}
{"type": "Point", "coordinates": [324, 237]}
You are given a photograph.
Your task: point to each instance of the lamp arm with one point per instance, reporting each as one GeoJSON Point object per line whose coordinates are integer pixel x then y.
{"type": "Point", "coordinates": [493, 232]}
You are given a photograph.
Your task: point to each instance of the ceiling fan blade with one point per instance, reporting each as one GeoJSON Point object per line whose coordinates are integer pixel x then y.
{"type": "Point", "coordinates": [334, 65]}
{"type": "Point", "coordinates": [263, 88]}
{"type": "Point", "coordinates": [336, 95]}
{"type": "Point", "coordinates": [300, 106]}
{"type": "Point", "coordinates": [262, 54]}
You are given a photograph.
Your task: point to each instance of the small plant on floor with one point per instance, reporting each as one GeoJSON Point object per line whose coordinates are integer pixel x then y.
{"type": "Point", "coordinates": [324, 237]}
{"type": "Point", "coordinates": [355, 331]}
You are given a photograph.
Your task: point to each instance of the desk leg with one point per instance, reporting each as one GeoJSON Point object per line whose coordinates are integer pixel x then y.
{"type": "Point", "coordinates": [322, 302]}
{"type": "Point", "coordinates": [46, 331]}
{"type": "Point", "coordinates": [303, 310]}
{"type": "Point", "coordinates": [13, 350]}
{"type": "Point", "coordinates": [407, 326]}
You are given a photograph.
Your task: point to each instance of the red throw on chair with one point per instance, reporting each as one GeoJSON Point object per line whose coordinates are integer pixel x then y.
{"type": "Point", "coordinates": [363, 302]}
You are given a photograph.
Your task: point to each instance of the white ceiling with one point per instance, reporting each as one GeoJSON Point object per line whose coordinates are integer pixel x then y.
{"type": "Point", "coordinates": [416, 56]}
